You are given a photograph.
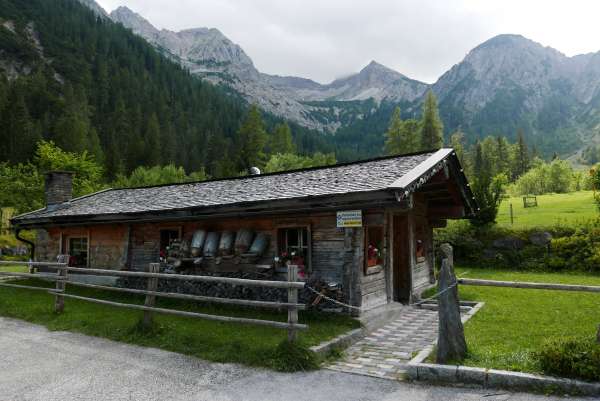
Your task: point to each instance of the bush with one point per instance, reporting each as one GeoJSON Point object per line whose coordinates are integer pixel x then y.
{"type": "Point", "coordinates": [570, 249]}
{"type": "Point", "coordinates": [572, 357]}
{"type": "Point", "coordinates": [294, 357]}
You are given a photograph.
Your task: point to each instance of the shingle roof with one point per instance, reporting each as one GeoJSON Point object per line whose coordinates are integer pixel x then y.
{"type": "Point", "coordinates": [371, 175]}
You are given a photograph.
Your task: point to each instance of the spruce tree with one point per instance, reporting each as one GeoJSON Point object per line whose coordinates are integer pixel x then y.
{"type": "Point", "coordinates": [282, 141]}
{"type": "Point", "coordinates": [19, 136]}
{"type": "Point", "coordinates": [487, 189]}
{"type": "Point", "coordinates": [432, 128]}
{"type": "Point", "coordinates": [503, 151]}
{"type": "Point", "coordinates": [521, 155]}
{"type": "Point", "coordinates": [251, 140]}
{"type": "Point", "coordinates": [152, 142]}
{"type": "Point", "coordinates": [457, 142]}
{"type": "Point", "coordinates": [401, 136]}
{"type": "Point", "coordinates": [72, 129]}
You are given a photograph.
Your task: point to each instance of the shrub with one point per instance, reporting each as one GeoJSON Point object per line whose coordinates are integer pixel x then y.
{"type": "Point", "coordinates": [570, 249]}
{"type": "Point", "coordinates": [572, 357]}
{"type": "Point", "coordinates": [294, 357]}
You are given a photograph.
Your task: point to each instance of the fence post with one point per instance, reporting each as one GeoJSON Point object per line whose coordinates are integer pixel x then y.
{"type": "Point", "coordinates": [512, 219]}
{"type": "Point", "coordinates": [61, 286]}
{"type": "Point", "coordinates": [292, 299]}
{"type": "Point", "coordinates": [150, 299]}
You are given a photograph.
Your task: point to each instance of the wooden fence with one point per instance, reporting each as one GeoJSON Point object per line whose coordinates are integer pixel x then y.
{"type": "Point", "coordinates": [152, 276]}
{"type": "Point", "coordinates": [521, 284]}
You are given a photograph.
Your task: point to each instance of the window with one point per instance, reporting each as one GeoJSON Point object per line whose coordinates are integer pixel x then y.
{"type": "Point", "coordinates": [373, 247]}
{"type": "Point", "coordinates": [78, 252]}
{"type": "Point", "coordinates": [166, 237]}
{"type": "Point", "coordinates": [294, 245]}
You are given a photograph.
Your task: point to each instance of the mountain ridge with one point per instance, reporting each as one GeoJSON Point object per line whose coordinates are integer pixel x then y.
{"type": "Point", "coordinates": [506, 83]}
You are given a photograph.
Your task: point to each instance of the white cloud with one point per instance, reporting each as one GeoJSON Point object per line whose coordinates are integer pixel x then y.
{"type": "Point", "coordinates": [325, 39]}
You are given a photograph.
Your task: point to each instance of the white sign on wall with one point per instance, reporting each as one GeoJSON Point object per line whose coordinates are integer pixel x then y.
{"type": "Point", "coordinates": [349, 218]}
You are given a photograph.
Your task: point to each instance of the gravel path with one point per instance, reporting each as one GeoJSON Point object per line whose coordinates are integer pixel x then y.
{"type": "Point", "coordinates": [36, 364]}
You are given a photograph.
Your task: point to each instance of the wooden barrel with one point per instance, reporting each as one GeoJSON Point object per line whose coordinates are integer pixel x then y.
{"type": "Point", "coordinates": [198, 242]}
{"type": "Point", "coordinates": [243, 240]}
{"type": "Point", "coordinates": [211, 245]}
{"type": "Point", "coordinates": [226, 243]}
{"type": "Point", "coordinates": [260, 244]}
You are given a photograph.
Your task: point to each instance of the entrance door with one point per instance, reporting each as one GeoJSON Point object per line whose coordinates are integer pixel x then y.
{"type": "Point", "coordinates": [401, 254]}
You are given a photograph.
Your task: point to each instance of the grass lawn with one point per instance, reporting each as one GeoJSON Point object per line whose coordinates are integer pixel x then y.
{"type": "Point", "coordinates": [552, 209]}
{"type": "Point", "coordinates": [14, 269]}
{"type": "Point", "coordinates": [209, 340]}
{"type": "Point", "coordinates": [514, 322]}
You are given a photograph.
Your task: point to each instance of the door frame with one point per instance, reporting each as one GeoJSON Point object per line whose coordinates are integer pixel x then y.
{"type": "Point", "coordinates": [401, 246]}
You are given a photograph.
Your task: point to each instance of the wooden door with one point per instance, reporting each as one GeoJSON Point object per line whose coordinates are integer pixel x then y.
{"type": "Point", "coordinates": [401, 258]}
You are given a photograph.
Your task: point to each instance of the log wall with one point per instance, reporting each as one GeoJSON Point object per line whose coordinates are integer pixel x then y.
{"type": "Point", "coordinates": [107, 244]}
{"type": "Point", "coordinates": [337, 254]}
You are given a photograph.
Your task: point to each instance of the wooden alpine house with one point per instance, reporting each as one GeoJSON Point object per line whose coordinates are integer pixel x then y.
{"type": "Point", "coordinates": [363, 229]}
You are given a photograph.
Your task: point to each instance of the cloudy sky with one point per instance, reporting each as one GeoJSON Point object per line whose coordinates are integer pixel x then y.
{"type": "Point", "coordinates": [327, 39]}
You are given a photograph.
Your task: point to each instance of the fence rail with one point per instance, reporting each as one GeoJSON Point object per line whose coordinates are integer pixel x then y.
{"type": "Point", "coordinates": [152, 276]}
{"type": "Point", "coordinates": [186, 277]}
{"type": "Point", "coordinates": [521, 284]}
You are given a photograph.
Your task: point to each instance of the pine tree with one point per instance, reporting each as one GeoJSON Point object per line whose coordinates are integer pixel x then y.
{"type": "Point", "coordinates": [432, 128]}
{"type": "Point", "coordinates": [251, 140]}
{"type": "Point", "coordinates": [282, 141]}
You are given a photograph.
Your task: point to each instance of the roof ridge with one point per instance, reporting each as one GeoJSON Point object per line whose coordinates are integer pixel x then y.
{"type": "Point", "coordinates": [248, 177]}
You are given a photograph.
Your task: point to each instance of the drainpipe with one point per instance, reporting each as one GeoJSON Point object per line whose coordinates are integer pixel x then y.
{"type": "Point", "coordinates": [17, 232]}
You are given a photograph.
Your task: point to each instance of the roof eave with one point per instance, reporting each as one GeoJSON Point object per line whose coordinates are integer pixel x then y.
{"type": "Point", "coordinates": [365, 199]}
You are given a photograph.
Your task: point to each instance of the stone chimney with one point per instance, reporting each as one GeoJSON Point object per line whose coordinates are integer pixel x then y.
{"type": "Point", "coordinates": [59, 187]}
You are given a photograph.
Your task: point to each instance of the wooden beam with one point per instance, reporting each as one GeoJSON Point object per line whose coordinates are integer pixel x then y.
{"type": "Point", "coordinates": [446, 212]}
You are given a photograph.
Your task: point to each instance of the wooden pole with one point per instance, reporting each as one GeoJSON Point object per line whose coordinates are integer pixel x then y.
{"type": "Point", "coordinates": [61, 285]}
{"type": "Point", "coordinates": [292, 299]}
{"type": "Point", "coordinates": [150, 299]}
{"type": "Point", "coordinates": [512, 219]}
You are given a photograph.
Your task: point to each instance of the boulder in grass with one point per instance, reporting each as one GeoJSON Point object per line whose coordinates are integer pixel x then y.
{"type": "Point", "coordinates": [540, 238]}
{"type": "Point", "coordinates": [509, 243]}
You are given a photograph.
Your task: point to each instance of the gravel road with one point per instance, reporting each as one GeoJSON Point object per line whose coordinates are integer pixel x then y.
{"type": "Point", "coordinates": [36, 364]}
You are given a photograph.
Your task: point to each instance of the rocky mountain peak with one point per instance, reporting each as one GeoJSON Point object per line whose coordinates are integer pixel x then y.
{"type": "Point", "coordinates": [204, 46]}
{"type": "Point", "coordinates": [134, 21]}
{"type": "Point", "coordinates": [95, 7]}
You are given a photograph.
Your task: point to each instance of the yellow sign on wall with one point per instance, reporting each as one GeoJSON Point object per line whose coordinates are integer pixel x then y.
{"type": "Point", "coordinates": [349, 218]}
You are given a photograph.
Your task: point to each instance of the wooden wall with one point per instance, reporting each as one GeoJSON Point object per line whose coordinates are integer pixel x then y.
{"type": "Point", "coordinates": [337, 254]}
{"type": "Point", "coordinates": [107, 244]}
